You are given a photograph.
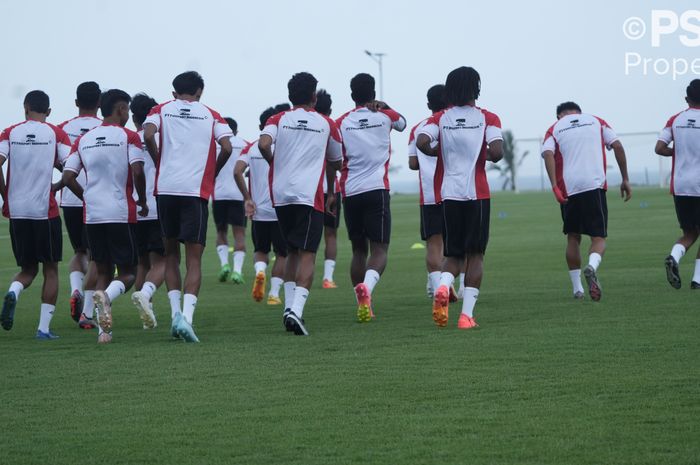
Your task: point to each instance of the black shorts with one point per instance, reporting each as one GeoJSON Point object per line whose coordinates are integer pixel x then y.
{"type": "Point", "coordinates": [465, 227]}
{"type": "Point", "coordinates": [183, 218]}
{"type": "Point", "coordinates": [228, 212]}
{"type": "Point", "coordinates": [330, 221]}
{"type": "Point", "coordinates": [36, 241]}
{"type": "Point", "coordinates": [586, 213]}
{"type": "Point", "coordinates": [687, 211]}
{"type": "Point", "coordinates": [148, 237]}
{"type": "Point", "coordinates": [301, 225]}
{"type": "Point", "coordinates": [430, 221]}
{"type": "Point", "coordinates": [268, 235]}
{"type": "Point", "coordinates": [113, 243]}
{"type": "Point", "coordinates": [73, 219]}
{"type": "Point", "coordinates": [368, 216]}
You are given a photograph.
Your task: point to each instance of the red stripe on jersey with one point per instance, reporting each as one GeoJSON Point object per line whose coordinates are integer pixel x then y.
{"type": "Point", "coordinates": [481, 184]}
{"type": "Point", "coordinates": [437, 178]}
{"type": "Point", "coordinates": [61, 138]}
{"type": "Point", "coordinates": [669, 124]}
{"type": "Point", "coordinates": [318, 199]}
{"type": "Point", "coordinates": [6, 203]}
{"type": "Point", "coordinates": [344, 168]}
{"type": "Point", "coordinates": [270, 178]}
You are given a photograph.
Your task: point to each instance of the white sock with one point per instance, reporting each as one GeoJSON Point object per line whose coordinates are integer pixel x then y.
{"type": "Point", "coordinates": [88, 303]}
{"type": "Point", "coordinates": [175, 305]}
{"type": "Point", "coordinates": [238, 257]}
{"type": "Point", "coordinates": [434, 280]}
{"type": "Point", "coordinates": [189, 301]}
{"type": "Point", "coordinates": [260, 266]}
{"type": "Point", "coordinates": [114, 290]}
{"type": "Point", "coordinates": [371, 280]}
{"type": "Point", "coordinates": [470, 296]}
{"type": "Point", "coordinates": [148, 289]}
{"type": "Point", "coordinates": [275, 284]}
{"type": "Point", "coordinates": [45, 317]}
{"type": "Point", "coordinates": [446, 279]}
{"type": "Point", "coordinates": [300, 296]}
{"type": "Point", "coordinates": [696, 275]}
{"type": "Point", "coordinates": [289, 294]}
{"type": "Point", "coordinates": [594, 260]}
{"type": "Point", "coordinates": [328, 269]}
{"type": "Point", "coordinates": [76, 281]}
{"type": "Point", "coordinates": [575, 276]}
{"type": "Point", "coordinates": [677, 252]}
{"type": "Point", "coordinates": [16, 287]}
{"type": "Point", "coordinates": [222, 251]}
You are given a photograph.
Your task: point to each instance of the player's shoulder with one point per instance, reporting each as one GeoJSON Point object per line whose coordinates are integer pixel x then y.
{"type": "Point", "coordinates": [67, 122]}
{"type": "Point", "coordinates": [436, 117]}
{"type": "Point", "coordinates": [276, 118]}
{"type": "Point", "coordinates": [490, 117]}
{"type": "Point", "coordinates": [215, 114]}
{"type": "Point", "coordinates": [12, 127]}
{"type": "Point", "coordinates": [417, 127]}
{"type": "Point", "coordinates": [673, 118]}
{"type": "Point", "coordinates": [342, 117]}
{"type": "Point", "coordinates": [61, 135]}
{"type": "Point", "coordinates": [248, 146]}
{"type": "Point", "coordinates": [157, 109]}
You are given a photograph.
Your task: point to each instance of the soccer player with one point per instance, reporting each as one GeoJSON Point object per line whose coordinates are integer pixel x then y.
{"type": "Point", "coordinates": [227, 207]}
{"type": "Point", "coordinates": [32, 149]}
{"type": "Point", "coordinates": [87, 100]}
{"type": "Point", "coordinates": [265, 228]}
{"type": "Point", "coordinates": [112, 158]}
{"type": "Point", "coordinates": [364, 183]}
{"type": "Point", "coordinates": [574, 155]}
{"type": "Point", "coordinates": [467, 136]}
{"type": "Point", "coordinates": [150, 272]}
{"type": "Point", "coordinates": [330, 221]}
{"type": "Point", "coordinates": [430, 210]}
{"type": "Point", "coordinates": [683, 130]}
{"type": "Point", "coordinates": [187, 167]}
{"type": "Point", "coordinates": [306, 148]}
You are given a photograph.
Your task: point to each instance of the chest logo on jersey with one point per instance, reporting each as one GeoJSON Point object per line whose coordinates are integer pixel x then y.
{"type": "Point", "coordinates": [101, 142]}
{"type": "Point", "coordinates": [302, 125]}
{"type": "Point", "coordinates": [461, 123]}
{"type": "Point", "coordinates": [364, 124]}
{"type": "Point", "coordinates": [185, 113]}
{"type": "Point", "coordinates": [575, 124]}
{"type": "Point", "coordinates": [30, 139]}
{"type": "Point", "coordinates": [690, 125]}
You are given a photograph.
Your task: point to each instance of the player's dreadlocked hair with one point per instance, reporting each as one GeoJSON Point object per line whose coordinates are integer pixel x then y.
{"type": "Point", "coordinates": [141, 105]}
{"type": "Point", "coordinates": [693, 91]}
{"type": "Point", "coordinates": [462, 86]}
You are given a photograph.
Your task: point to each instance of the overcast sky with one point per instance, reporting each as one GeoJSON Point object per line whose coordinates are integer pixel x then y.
{"type": "Point", "coordinates": [531, 56]}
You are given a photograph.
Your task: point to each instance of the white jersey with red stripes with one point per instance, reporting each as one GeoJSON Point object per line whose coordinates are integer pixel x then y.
{"type": "Point", "coordinates": [225, 186]}
{"type": "Point", "coordinates": [304, 140]}
{"type": "Point", "coordinates": [32, 149]}
{"type": "Point", "coordinates": [426, 167]}
{"type": "Point", "coordinates": [106, 154]}
{"type": "Point", "coordinates": [75, 128]}
{"type": "Point", "coordinates": [188, 132]}
{"type": "Point", "coordinates": [463, 134]}
{"type": "Point", "coordinates": [367, 149]}
{"type": "Point", "coordinates": [683, 130]}
{"type": "Point", "coordinates": [578, 142]}
{"type": "Point", "coordinates": [258, 182]}
{"type": "Point", "coordinates": [149, 172]}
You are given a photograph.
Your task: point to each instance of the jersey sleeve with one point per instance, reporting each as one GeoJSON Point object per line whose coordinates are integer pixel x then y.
{"type": "Point", "coordinates": [548, 144]}
{"type": "Point", "coordinates": [245, 153]}
{"type": "Point", "coordinates": [431, 128]}
{"type": "Point", "coordinates": [493, 128]}
{"type": "Point", "coordinates": [74, 163]}
{"type": "Point", "coordinates": [398, 122]}
{"type": "Point", "coordinates": [412, 151]}
{"type": "Point", "coordinates": [63, 145]}
{"type": "Point", "coordinates": [666, 134]}
{"type": "Point", "coordinates": [154, 117]}
{"type": "Point", "coordinates": [221, 127]}
{"type": "Point", "coordinates": [334, 152]}
{"type": "Point", "coordinates": [609, 135]}
{"type": "Point", "coordinates": [5, 143]}
{"type": "Point", "coordinates": [271, 126]}
{"type": "Point", "coordinates": [134, 148]}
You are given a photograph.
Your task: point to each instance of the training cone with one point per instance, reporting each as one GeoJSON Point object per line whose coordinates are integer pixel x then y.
{"type": "Point", "coordinates": [417, 246]}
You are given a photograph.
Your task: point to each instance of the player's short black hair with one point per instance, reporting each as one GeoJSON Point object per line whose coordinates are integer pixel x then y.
{"type": "Point", "coordinates": [141, 104]}
{"type": "Point", "coordinates": [302, 88]}
{"type": "Point", "coordinates": [272, 111]}
{"type": "Point", "coordinates": [436, 98]}
{"type": "Point", "coordinates": [462, 86]}
{"type": "Point", "coordinates": [567, 106]}
{"type": "Point", "coordinates": [323, 102]}
{"type": "Point", "coordinates": [87, 95]}
{"type": "Point", "coordinates": [232, 123]}
{"type": "Point", "coordinates": [109, 100]}
{"type": "Point", "coordinates": [37, 101]}
{"type": "Point", "coordinates": [362, 88]}
{"type": "Point", "coordinates": [693, 91]}
{"type": "Point", "coordinates": [188, 83]}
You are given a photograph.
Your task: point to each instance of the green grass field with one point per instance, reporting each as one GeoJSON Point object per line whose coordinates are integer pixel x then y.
{"type": "Point", "coordinates": [544, 380]}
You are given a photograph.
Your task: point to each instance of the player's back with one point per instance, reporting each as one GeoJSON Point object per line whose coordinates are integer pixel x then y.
{"type": "Point", "coordinates": [75, 128]}
{"type": "Point", "coordinates": [685, 132]}
{"type": "Point", "coordinates": [367, 148]}
{"type": "Point", "coordinates": [32, 149]}
{"type": "Point", "coordinates": [426, 166]}
{"type": "Point", "coordinates": [259, 183]}
{"type": "Point", "coordinates": [225, 187]}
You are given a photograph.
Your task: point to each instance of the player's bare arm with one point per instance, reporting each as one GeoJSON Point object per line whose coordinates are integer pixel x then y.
{"type": "Point", "coordinates": [550, 165]}
{"type": "Point", "coordinates": [224, 154]}
{"type": "Point", "coordinates": [413, 163]}
{"type": "Point", "coordinates": [265, 147]}
{"type": "Point", "coordinates": [238, 171]}
{"type": "Point", "coordinates": [149, 137]}
{"type": "Point", "coordinates": [423, 143]}
{"type": "Point", "coordinates": [69, 180]}
{"type": "Point", "coordinates": [140, 185]}
{"type": "Point", "coordinates": [625, 188]}
{"type": "Point", "coordinates": [494, 152]}
{"type": "Point", "coordinates": [663, 149]}
{"type": "Point", "coordinates": [3, 187]}
{"type": "Point", "coordinates": [331, 168]}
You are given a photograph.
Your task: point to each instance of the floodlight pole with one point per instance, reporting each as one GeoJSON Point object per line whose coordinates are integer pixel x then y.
{"type": "Point", "coordinates": [378, 57]}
